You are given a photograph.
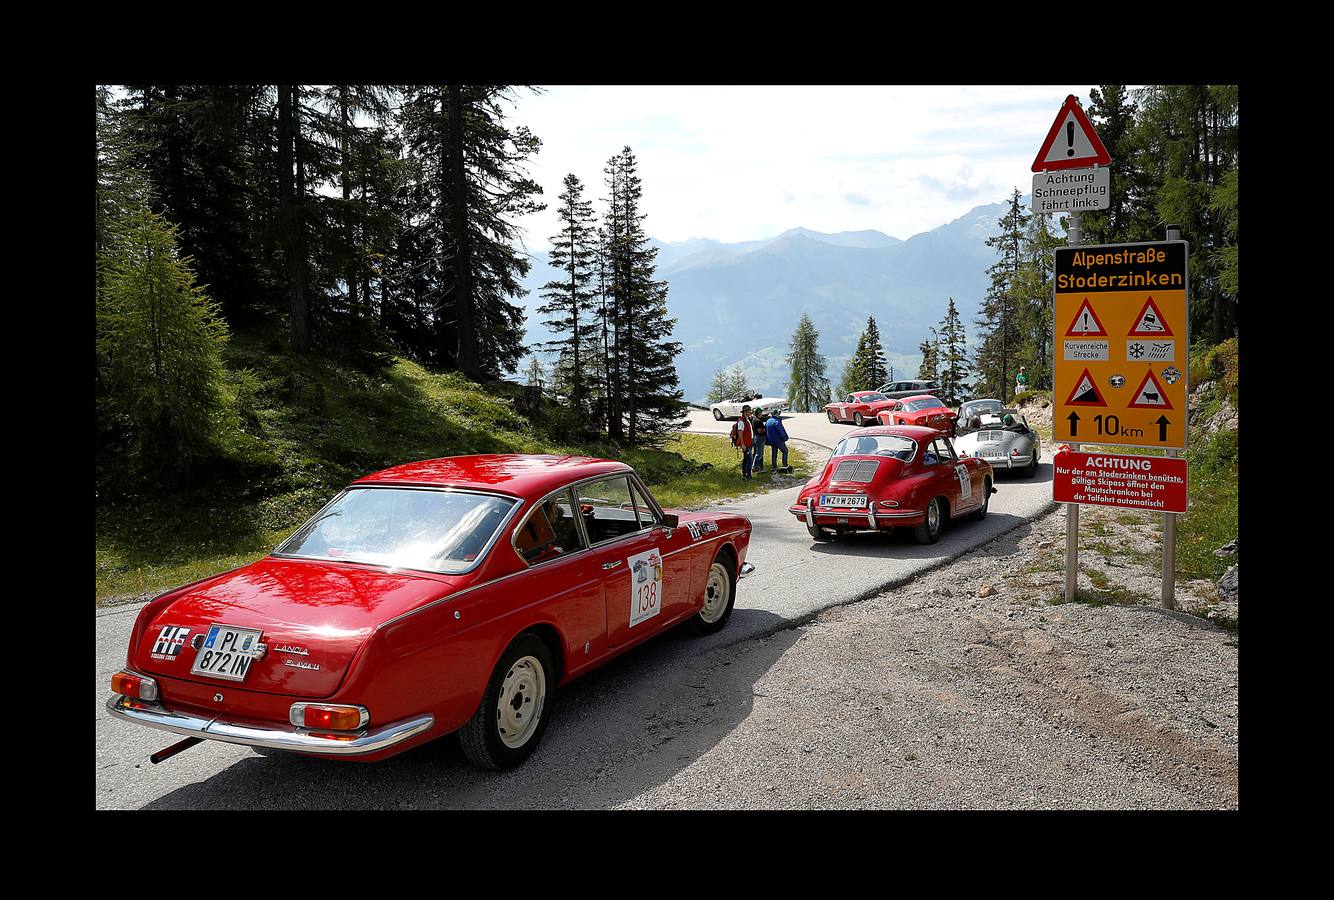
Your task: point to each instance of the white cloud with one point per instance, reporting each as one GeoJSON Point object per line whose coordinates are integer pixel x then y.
{"type": "Point", "coordinates": [741, 163]}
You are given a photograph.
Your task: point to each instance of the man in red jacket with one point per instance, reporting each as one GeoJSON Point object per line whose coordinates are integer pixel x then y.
{"type": "Point", "coordinates": [743, 437]}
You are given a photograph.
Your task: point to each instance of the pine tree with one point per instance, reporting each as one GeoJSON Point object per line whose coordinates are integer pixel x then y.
{"type": "Point", "coordinates": [728, 384]}
{"type": "Point", "coordinates": [159, 348]}
{"type": "Point", "coordinates": [865, 371]}
{"type": "Point", "coordinates": [952, 359]}
{"type": "Point", "coordinates": [1000, 336]}
{"type": "Point", "coordinates": [643, 356]}
{"type": "Point", "coordinates": [808, 386]}
{"type": "Point", "coordinates": [570, 298]}
{"type": "Point", "coordinates": [930, 350]}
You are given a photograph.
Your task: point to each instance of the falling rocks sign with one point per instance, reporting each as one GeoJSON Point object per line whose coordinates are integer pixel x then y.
{"type": "Point", "coordinates": [1130, 482]}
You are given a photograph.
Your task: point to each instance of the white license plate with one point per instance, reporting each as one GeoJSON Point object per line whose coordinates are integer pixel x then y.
{"type": "Point", "coordinates": [991, 453]}
{"type": "Point", "coordinates": [832, 500]}
{"type": "Point", "coordinates": [227, 652]}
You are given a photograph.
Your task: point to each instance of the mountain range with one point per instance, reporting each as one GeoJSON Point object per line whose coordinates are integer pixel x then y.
{"type": "Point", "coordinates": [739, 303]}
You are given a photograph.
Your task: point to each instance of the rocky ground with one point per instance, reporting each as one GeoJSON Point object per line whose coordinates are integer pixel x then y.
{"type": "Point", "coordinates": [975, 686]}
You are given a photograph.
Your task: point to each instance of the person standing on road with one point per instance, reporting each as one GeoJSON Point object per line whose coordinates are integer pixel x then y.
{"type": "Point", "coordinates": [743, 438]}
{"type": "Point", "coordinates": [757, 429]}
{"type": "Point", "coordinates": [776, 435]}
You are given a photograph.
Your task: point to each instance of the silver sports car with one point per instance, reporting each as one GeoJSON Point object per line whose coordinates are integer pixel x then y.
{"type": "Point", "coordinates": [1004, 440]}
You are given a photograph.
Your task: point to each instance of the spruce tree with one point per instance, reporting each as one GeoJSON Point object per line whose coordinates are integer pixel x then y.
{"type": "Point", "coordinates": [866, 370]}
{"type": "Point", "coordinates": [929, 348]}
{"type": "Point", "coordinates": [808, 386]}
{"type": "Point", "coordinates": [1000, 336]}
{"type": "Point", "coordinates": [728, 384]}
{"type": "Point", "coordinates": [644, 355]}
{"type": "Point", "coordinates": [952, 357]}
{"type": "Point", "coordinates": [570, 298]}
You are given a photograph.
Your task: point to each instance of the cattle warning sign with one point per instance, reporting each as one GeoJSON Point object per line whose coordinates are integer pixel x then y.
{"type": "Point", "coordinates": [1121, 320]}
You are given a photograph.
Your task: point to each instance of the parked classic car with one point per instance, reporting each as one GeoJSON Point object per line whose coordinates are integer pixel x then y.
{"type": "Point", "coordinates": [858, 407]}
{"type": "Point", "coordinates": [444, 595]}
{"type": "Point", "coordinates": [921, 410]}
{"type": "Point", "coordinates": [897, 390]}
{"type": "Point", "coordinates": [974, 409]}
{"type": "Point", "coordinates": [1012, 446]}
{"type": "Point", "coordinates": [731, 409]}
{"type": "Point", "coordinates": [887, 476]}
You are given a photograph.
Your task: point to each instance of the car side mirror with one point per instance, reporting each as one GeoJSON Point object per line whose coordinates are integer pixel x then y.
{"type": "Point", "coordinates": [670, 520]}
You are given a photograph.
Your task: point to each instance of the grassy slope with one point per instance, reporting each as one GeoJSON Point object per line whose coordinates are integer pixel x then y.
{"type": "Point", "coordinates": [300, 446]}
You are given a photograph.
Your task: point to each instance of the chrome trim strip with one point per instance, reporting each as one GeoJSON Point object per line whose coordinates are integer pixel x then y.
{"type": "Point", "coordinates": [276, 738]}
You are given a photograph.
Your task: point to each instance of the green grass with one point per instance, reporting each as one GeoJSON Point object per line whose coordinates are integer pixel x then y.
{"type": "Point", "coordinates": [1210, 520]}
{"type": "Point", "coordinates": [308, 426]}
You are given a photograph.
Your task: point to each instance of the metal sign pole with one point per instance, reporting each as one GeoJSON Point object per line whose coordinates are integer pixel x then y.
{"type": "Point", "coordinates": [1170, 519]}
{"type": "Point", "coordinates": [1075, 235]}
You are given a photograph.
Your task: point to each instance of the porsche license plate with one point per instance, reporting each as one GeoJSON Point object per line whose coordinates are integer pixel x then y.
{"type": "Point", "coordinates": [227, 652]}
{"type": "Point", "coordinates": [855, 501]}
{"type": "Point", "coordinates": [992, 453]}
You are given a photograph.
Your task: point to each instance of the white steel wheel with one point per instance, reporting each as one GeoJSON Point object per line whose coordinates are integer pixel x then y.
{"type": "Point", "coordinates": [719, 598]}
{"type": "Point", "coordinates": [523, 693]}
{"type": "Point", "coordinates": [717, 593]}
{"type": "Point", "coordinates": [515, 707]}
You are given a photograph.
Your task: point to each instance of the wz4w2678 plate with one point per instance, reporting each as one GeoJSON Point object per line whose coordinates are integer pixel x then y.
{"type": "Point", "coordinates": [227, 652]}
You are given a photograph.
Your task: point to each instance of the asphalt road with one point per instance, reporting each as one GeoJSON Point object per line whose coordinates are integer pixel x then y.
{"type": "Point", "coordinates": [795, 579]}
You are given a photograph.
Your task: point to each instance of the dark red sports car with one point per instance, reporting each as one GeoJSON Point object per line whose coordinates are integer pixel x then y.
{"type": "Point", "coordinates": [923, 410]}
{"type": "Point", "coordinates": [446, 595]}
{"type": "Point", "coordinates": [858, 407]}
{"type": "Point", "coordinates": [887, 476]}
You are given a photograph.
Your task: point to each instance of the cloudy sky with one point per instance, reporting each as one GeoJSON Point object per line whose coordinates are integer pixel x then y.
{"type": "Point", "coordinates": [743, 163]}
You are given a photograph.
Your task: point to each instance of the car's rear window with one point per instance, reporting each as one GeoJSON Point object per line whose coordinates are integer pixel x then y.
{"type": "Point", "coordinates": [403, 528]}
{"type": "Point", "coordinates": [877, 445]}
{"type": "Point", "coordinates": [924, 403]}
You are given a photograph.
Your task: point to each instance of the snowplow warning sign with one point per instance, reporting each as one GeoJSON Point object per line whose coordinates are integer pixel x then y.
{"type": "Point", "coordinates": [1132, 299]}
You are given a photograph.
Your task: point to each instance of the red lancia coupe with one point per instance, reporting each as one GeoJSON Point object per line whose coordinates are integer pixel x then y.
{"type": "Point", "coordinates": [443, 595]}
{"type": "Point", "coordinates": [923, 410]}
{"type": "Point", "coordinates": [858, 407]}
{"type": "Point", "coordinates": [882, 477]}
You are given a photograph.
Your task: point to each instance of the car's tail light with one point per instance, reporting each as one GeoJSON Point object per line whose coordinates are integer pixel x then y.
{"type": "Point", "coordinates": [136, 686]}
{"type": "Point", "coordinates": [328, 716]}
{"type": "Point", "coordinates": [1014, 452]}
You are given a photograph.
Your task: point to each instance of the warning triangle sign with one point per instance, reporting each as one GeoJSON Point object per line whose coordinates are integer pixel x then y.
{"type": "Point", "coordinates": [1150, 322]}
{"type": "Point", "coordinates": [1086, 392]}
{"type": "Point", "coordinates": [1149, 394]}
{"type": "Point", "coordinates": [1072, 143]}
{"type": "Point", "coordinates": [1086, 323]}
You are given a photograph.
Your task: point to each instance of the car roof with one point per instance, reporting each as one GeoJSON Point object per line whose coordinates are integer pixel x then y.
{"type": "Point", "coordinates": [864, 393]}
{"type": "Point", "coordinates": [517, 474]}
{"type": "Point", "coordinates": [922, 397]}
{"type": "Point", "coordinates": [913, 432]}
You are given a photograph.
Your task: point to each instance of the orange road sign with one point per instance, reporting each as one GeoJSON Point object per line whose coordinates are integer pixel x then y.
{"type": "Point", "coordinates": [1119, 373]}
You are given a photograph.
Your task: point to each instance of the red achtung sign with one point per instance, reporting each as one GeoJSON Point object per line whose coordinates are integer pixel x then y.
{"type": "Point", "coordinates": [1156, 483]}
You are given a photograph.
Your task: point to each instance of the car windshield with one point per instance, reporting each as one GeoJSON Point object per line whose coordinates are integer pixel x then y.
{"type": "Point", "coordinates": [924, 403]}
{"type": "Point", "coordinates": [976, 409]}
{"type": "Point", "coordinates": [877, 445]}
{"type": "Point", "coordinates": [431, 530]}
{"type": "Point", "coordinates": [871, 398]}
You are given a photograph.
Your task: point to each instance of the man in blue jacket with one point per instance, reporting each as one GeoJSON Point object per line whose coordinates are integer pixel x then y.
{"type": "Point", "coordinates": [775, 435]}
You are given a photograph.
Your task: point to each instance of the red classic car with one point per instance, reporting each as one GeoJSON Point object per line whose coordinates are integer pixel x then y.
{"type": "Point", "coordinates": [886, 476]}
{"type": "Point", "coordinates": [858, 407]}
{"type": "Point", "coordinates": [923, 410]}
{"type": "Point", "coordinates": [443, 595]}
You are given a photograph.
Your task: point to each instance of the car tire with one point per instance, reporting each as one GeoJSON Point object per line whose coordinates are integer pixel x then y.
{"type": "Point", "coordinates": [832, 418]}
{"type": "Point", "coordinates": [981, 513]}
{"type": "Point", "coordinates": [499, 738]}
{"type": "Point", "coordinates": [820, 534]}
{"type": "Point", "coordinates": [858, 420]}
{"type": "Point", "coordinates": [1033, 466]}
{"type": "Point", "coordinates": [718, 604]}
{"type": "Point", "coordinates": [929, 531]}
{"type": "Point", "coordinates": [717, 414]}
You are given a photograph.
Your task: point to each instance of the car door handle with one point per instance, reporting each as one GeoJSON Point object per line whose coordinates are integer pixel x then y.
{"type": "Point", "coordinates": [611, 565]}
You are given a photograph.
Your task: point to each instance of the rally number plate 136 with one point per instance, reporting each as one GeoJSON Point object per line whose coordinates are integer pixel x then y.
{"type": "Point", "coordinates": [227, 652]}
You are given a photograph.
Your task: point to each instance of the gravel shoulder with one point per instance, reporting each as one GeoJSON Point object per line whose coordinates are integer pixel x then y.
{"type": "Point", "coordinates": [933, 697]}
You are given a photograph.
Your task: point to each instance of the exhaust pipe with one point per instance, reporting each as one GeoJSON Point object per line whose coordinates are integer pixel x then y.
{"type": "Point", "coordinates": [171, 751]}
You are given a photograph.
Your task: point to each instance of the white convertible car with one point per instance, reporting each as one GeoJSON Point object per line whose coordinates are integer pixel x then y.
{"type": "Point", "coordinates": [1011, 445]}
{"type": "Point", "coordinates": [731, 409]}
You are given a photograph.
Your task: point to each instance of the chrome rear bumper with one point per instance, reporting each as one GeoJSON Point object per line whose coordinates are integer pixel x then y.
{"type": "Point", "coordinates": [278, 738]}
